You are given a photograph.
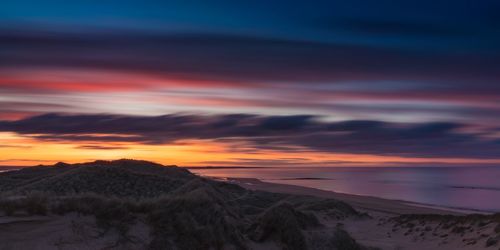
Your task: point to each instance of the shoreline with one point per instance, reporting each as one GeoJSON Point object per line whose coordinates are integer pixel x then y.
{"type": "Point", "coordinates": [367, 203]}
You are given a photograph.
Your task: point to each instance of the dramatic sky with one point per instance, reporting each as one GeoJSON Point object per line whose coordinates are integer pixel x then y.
{"type": "Point", "coordinates": [250, 83]}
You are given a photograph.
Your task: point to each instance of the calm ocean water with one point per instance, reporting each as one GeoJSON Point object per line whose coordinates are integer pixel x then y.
{"type": "Point", "coordinates": [475, 188]}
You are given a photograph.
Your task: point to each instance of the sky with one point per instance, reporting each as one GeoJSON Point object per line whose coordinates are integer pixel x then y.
{"type": "Point", "coordinates": [251, 83]}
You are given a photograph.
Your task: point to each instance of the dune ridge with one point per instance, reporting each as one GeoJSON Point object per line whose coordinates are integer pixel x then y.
{"type": "Point", "coordinates": [138, 204]}
{"type": "Point", "coordinates": [129, 204]}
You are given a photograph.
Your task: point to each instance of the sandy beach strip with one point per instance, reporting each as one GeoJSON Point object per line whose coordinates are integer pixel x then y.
{"type": "Point", "coordinates": [365, 203]}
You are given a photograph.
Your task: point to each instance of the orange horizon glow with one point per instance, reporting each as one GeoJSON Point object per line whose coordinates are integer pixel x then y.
{"type": "Point", "coordinates": [24, 151]}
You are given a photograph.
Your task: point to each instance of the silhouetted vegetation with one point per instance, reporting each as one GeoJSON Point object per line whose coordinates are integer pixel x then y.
{"type": "Point", "coordinates": [183, 211]}
{"type": "Point", "coordinates": [283, 224]}
{"type": "Point", "coordinates": [451, 224]}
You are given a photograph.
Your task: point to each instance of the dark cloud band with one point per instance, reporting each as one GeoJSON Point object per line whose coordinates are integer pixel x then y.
{"type": "Point", "coordinates": [265, 132]}
{"type": "Point", "coordinates": [240, 58]}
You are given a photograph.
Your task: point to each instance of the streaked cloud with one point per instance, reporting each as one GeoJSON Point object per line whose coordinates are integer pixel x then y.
{"type": "Point", "coordinates": [323, 78]}
{"type": "Point", "coordinates": [266, 132]}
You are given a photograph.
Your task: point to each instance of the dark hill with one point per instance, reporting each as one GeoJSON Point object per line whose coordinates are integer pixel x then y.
{"type": "Point", "coordinates": [182, 210]}
{"type": "Point", "coordinates": [113, 178]}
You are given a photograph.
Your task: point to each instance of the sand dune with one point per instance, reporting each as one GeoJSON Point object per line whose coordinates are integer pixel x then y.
{"type": "Point", "coordinates": [128, 204]}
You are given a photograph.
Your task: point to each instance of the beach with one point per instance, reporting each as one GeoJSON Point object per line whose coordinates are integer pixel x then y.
{"type": "Point", "coordinates": [366, 203]}
{"type": "Point", "coordinates": [470, 188]}
{"type": "Point", "coordinates": [378, 232]}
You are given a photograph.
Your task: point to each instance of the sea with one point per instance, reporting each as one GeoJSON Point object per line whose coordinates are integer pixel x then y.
{"type": "Point", "coordinates": [470, 188]}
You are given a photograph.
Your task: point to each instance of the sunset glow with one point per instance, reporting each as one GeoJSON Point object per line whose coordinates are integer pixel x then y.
{"type": "Point", "coordinates": [21, 151]}
{"type": "Point", "coordinates": [274, 87]}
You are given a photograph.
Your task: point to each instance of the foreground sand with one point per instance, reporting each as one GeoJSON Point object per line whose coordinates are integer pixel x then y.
{"type": "Point", "coordinates": [381, 231]}
{"type": "Point", "coordinates": [71, 231]}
